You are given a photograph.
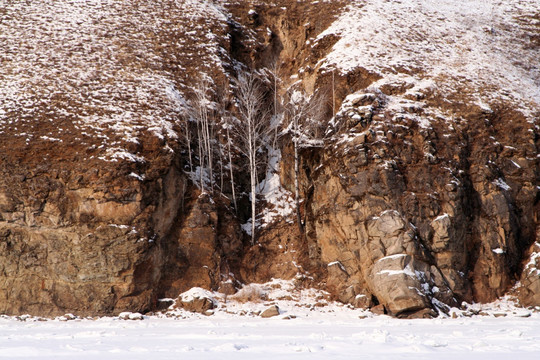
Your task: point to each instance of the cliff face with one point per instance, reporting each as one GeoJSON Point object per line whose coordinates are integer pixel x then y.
{"type": "Point", "coordinates": [426, 189]}
{"type": "Point", "coordinates": [424, 192]}
{"type": "Point", "coordinates": [93, 195]}
{"type": "Point", "coordinates": [444, 223]}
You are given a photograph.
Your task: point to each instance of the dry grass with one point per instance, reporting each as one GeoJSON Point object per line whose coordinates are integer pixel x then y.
{"type": "Point", "coordinates": [250, 293]}
{"type": "Point", "coordinates": [102, 75]}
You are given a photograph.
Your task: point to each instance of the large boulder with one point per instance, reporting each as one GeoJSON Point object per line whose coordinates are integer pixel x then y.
{"type": "Point", "coordinates": [196, 300]}
{"type": "Point", "coordinates": [270, 312]}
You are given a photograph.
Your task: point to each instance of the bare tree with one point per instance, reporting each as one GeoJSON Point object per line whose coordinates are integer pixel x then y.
{"type": "Point", "coordinates": [252, 129]}
{"type": "Point", "coordinates": [220, 154]}
{"type": "Point", "coordinates": [303, 115]}
{"type": "Point", "coordinates": [202, 110]}
{"type": "Point", "coordinates": [333, 93]}
{"type": "Point", "coordinates": [185, 120]}
{"type": "Point", "coordinates": [183, 109]}
{"type": "Point", "coordinates": [231, 169]}
{"type": "Point", "coordinates": [275, 78]}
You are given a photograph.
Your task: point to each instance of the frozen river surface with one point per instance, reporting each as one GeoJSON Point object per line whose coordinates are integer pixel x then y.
{"type": "Point", "coordinates": [314, 335]}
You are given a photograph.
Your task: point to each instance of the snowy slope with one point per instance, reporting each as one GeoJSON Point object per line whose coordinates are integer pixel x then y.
{"type": "Point", "coordinates": [107, 71]}
{"type": "Point", "coordinates": [480, 48]}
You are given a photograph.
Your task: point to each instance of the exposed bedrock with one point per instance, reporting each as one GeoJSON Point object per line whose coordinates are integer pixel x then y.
{"type": "Point", "coordinates": [418, 217]}
{"type": "Point", "coordinates": [418, 195]}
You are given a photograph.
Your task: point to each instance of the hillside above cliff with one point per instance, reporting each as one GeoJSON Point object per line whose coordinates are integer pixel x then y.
{"type": "Point", "coordinates": [399, 170]}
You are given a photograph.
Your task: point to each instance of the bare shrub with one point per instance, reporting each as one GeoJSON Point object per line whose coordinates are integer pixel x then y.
{"type": "Point", "coordinates": [249, 293]}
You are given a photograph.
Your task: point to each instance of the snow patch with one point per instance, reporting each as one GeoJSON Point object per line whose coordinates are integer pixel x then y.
{"type": "Point", "coordinates": [338, 263]}
{"type": "Point", "coordinates": [196, 293]}
{"type": "Point", "coordinates": [442, 217]}
{"type": "Point", "coordinates": [392, 257]}
{"type": "Point", "coordinates": [406, 271]}
{"type": "Point", "coordinates": [280, 202]}
{"type": "Point", "coordinates": [502, 184]}
{"type": "Point", "coordinates": [531, 265]}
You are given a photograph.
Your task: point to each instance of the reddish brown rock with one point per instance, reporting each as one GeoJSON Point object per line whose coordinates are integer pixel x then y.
{"type": "Point", "coordinates": [413, 208]}
{"type": "Point", "coordinates": [196, 300]}
{"type": "Point", "coordinates": [529, 289]}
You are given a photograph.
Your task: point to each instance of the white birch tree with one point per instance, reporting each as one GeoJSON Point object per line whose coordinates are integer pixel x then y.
{"type": "Point", "coordinates": [231, 166]}
{"type": "Point", "coordinates": [303, 115]}
{"type": "Point", "coordinates": [252, 129]}
{"type": "Point", "coordinates": [202, 110]}
{"type": "Point", "coordinates": [275, 78]}
{"type": "Point", "coordinates": [185, 121]}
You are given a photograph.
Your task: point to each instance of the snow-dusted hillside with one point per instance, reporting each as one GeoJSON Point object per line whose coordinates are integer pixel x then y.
{"type": "Point", "coordinates": [482, 50]}
{"type": "Point", "coordinates": [102, 73]}
{"type": "Point", "coordinates": [110, 70]}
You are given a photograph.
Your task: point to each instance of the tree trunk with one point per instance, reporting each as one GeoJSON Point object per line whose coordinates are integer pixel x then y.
{"type": "Point", "coordinates": [231, 170]}
{"type": "Point", "coordinates": [296, 181]}
{"type": "Point", "coordinates": [188, 141]}
{"type": "Point", "coordinates": [201, 158]}
{"type": "Point", "coordinates": [253, 173]}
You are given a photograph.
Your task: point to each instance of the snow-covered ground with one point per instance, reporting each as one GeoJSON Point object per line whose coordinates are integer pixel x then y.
{"type": "Point", "coordinates": [313, 335]}
{"type": "Point", "coordinates": [308, 326]}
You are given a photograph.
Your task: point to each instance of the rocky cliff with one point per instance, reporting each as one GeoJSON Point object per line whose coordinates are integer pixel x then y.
{"type": "Point", "coordinates": [420, 193]}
